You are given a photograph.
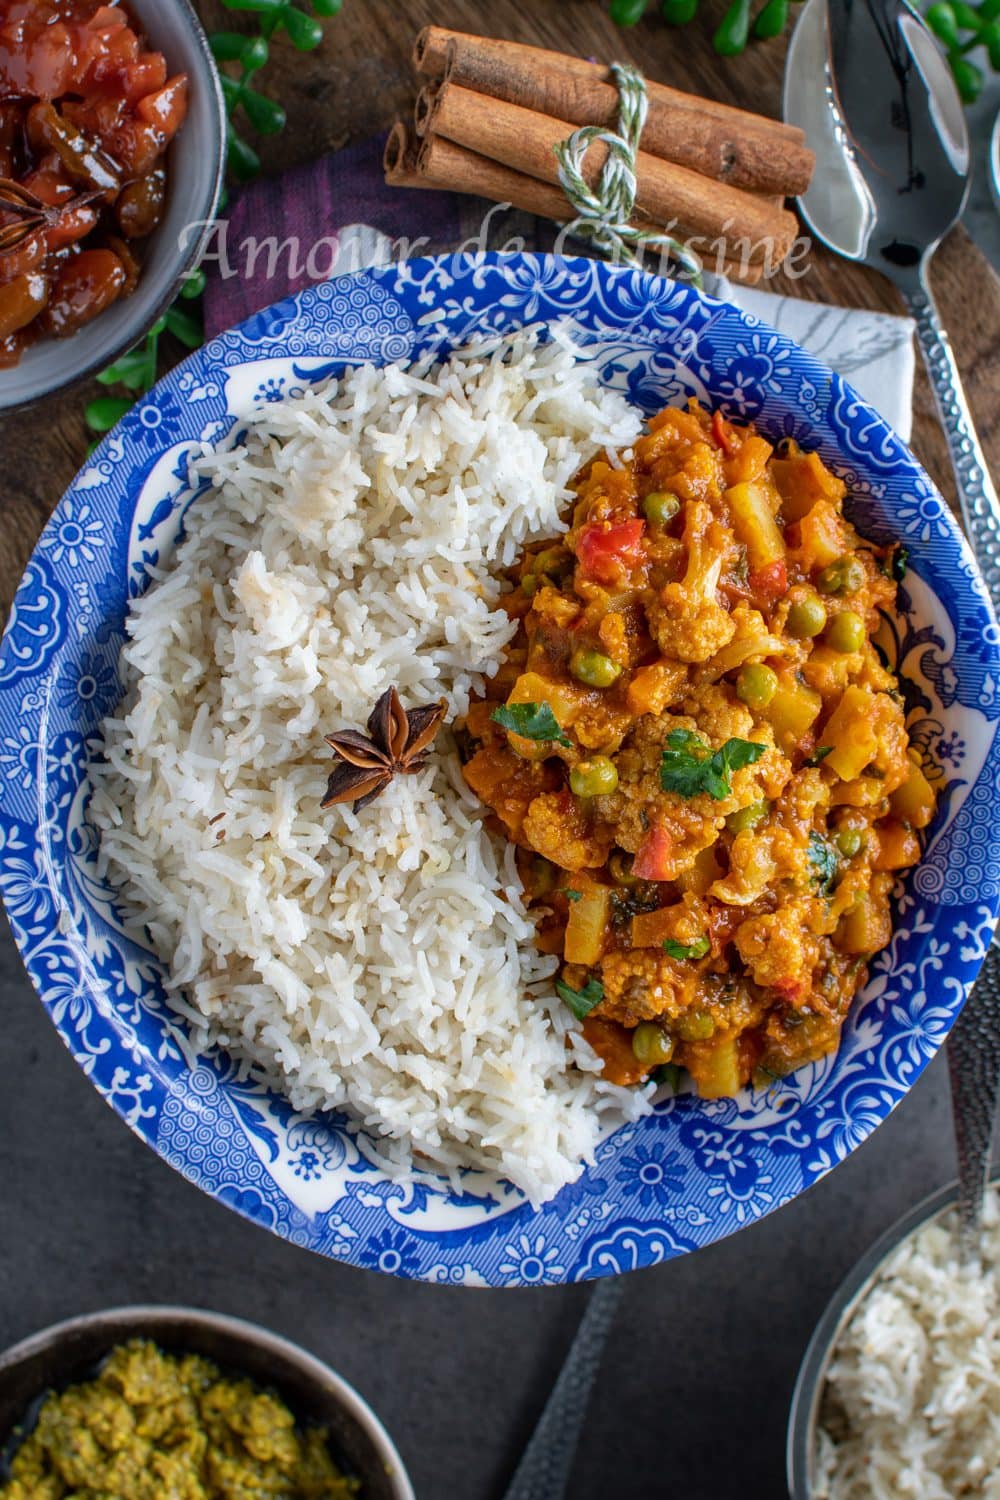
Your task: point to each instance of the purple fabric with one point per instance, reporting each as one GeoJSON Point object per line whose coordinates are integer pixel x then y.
{"type": "Point", "coordinates": [310, 204]}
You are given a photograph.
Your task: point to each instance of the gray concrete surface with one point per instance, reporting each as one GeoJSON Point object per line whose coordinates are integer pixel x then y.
{"type": "Point", "coordinates": [694, 1391]}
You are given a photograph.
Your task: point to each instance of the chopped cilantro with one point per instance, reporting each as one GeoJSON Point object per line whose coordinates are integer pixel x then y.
{"type": "Point", "coordinates": [532, 721]}
{"type": "Point", "coordinates": [581, 1002]}
{"type": "Point", "coordinates": [688, 769]}
{"type": "Point", "coordinates": [697, 949]}
{"type": "Point", "coordinates": [823, 858]}
{"type": "Point", "coordinates": [570, 894]}
{"type": "Point", "coordinates": [818, 755]}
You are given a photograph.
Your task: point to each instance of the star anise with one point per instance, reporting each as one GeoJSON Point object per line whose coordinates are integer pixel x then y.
{"type": "Point", "coordinates": [31, 213]}
{"type": "Point", "coordinates": [397, 741]}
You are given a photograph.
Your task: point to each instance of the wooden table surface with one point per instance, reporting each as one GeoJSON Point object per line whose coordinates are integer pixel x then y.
{"type": "Point", "coordinates": [356, 83]}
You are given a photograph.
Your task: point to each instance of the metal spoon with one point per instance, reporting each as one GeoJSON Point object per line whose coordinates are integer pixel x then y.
{"type": "Point", "coordinates": [892, 177]}
{"type": "Point", "coordinates": [867, 82]}
{"type": "Point", "coordinates": [545, 1466]}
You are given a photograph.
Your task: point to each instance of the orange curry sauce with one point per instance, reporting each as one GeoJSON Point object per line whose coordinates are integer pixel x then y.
{"type": "Point", "coordinates": [711, 831]}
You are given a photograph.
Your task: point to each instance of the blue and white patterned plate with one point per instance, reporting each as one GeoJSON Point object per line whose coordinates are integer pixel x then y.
{"type": "Point", "coordinates": [694, 1170]}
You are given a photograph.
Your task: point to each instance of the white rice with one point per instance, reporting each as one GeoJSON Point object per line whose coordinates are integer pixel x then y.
{"type": "Point", "coordinates": [384, 962]}
{"type": "Point", "coordinates": [912, 1403]}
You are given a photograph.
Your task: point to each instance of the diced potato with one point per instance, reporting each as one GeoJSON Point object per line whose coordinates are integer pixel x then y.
{"type": "Point", "coordinates": [652, 688]}
{"type": "Point", "coordinates": [587, 926]}
{"type": "Point", "coordinates": [749, 461]}
{"type": "Point", "coordinates": [822, 538]}
{"type": "Point", "coordinates": [913, 802]}
{"type": "Point", "coordinates": [866, 928]}
{"type": "Point", "coordinates": [753, 508]}
{"type": "Point", "coordinates": [701, 873]}
{"type": "Point", "coordinates": [564, 698]}
{"type": "Point", "coordinates": [851, 730]}
{"type": "Point", "coordinates": [802, 480]}
{"type": "Point", "coordinates": [826, 670]}
{"type": "Point", "coordinates": [715, 1067]}
{"type": "Point", "coordinates": [898, 847]}
{"type": "Point", "coordinates": [792, 712]}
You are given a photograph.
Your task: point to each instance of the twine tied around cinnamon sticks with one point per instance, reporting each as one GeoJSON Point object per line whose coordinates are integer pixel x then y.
{"type": "Point", "coordinates": [604, 212]}
{"type": "Point", "coordinates": [492, 114]}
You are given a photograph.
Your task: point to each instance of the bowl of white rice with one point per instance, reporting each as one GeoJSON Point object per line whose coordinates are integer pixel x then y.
{"type": "Point", "coordinates": [338, 1022]}
{"type": "Point", "coordinates": [898, 1396]}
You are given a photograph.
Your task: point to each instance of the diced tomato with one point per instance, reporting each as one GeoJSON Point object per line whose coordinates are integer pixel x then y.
{"type": "Point", "coordinates": [724, 434]}
{"type": "Point", "coordinates": [791, 990]}
{"type": "Point", "coordinates": [654, 855]}
{"type": "Point", "coordinates": [609, 553]}
{"type": "Point", "coordinates": [770, 583]}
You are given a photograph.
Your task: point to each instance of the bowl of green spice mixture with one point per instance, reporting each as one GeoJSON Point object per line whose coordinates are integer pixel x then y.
{"type": "Point", "coordinates": [144, 1402]}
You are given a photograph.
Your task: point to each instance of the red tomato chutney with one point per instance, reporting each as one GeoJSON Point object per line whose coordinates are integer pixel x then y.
{"type": "Point", "coordinates": [87, 112]}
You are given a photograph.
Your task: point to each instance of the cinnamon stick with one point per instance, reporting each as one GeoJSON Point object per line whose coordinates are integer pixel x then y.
{"type": "Point", "coordinates": [683, 202]}
{"type": "Point", "coordinates": [730, 145]}
{"type": "Point", "coordinates": [438, 164]}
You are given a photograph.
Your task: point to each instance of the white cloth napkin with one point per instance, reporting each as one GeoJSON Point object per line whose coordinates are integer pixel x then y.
{"type": "Point", "coordinates": [874, 351]}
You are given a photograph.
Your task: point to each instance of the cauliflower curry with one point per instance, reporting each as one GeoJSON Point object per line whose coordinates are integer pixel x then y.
{"type": "Point", "coordinates": [700, 755]}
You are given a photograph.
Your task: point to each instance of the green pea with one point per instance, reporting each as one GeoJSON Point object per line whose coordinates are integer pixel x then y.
{"type": "Point", "coordinates": [620, 868]}
{"type": "Point", "coordinates": [660, 507]}
{"type": "Point", "coordinates": [849, 842]}
{"type": "Point", "coordinates": [806, 618]}
{"type": "Point", "coordinates": [747, 817]}
{"type": "Point", "coordinates": [845, 576]}
{"type": "Point", "coordinates": [696, 1026]}
{"type": "Point", "coordinates": [529, 583]}
{"type": "Point", "coordinates": [597, 777]}
{"type": "Point", "coordinates": [651, 1044]}
{"type": "Point", "coordinates": [846, 632]}
{"type": "Point", "coordinates": [550, 560]}
{"type": "Point", "coordinates": [756, 685]}
{"type": "Point", "coordinates": [593, 668]}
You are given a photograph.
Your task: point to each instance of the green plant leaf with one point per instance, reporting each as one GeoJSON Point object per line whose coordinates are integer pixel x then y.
{"type": "Point", "coordinates": [243, 159]}
{"type": "Point", "coordinates": [581, 1002]}
{"type": "Point", "coordinates": [697, 949]}
{"type": "Point", "coordinates": [304, 32]}
{"type": "Point", "coordinates": [186, 328]}
{"type": "Point", "coordinates": [194, 285]}
{"type": "Point", "coordinates": [104, 413]}
{"type": "Point", "coordinates": [532, 721]}
{"type": "Point", "coordinates": [265, 115]}
{"type": "Point", "coordinates": [688, 769]}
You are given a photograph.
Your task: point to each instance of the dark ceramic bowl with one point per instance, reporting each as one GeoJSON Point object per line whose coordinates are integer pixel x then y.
{"type": "Point", "coordinates": [808, 1393]}
{"type": "Point", "coordinates": [195, 165]}
{"type": "Point", "coordinates": [70, 1351]}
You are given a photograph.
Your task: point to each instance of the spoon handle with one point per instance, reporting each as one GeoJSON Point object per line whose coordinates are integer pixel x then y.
{"type": "Point", "coordinates": [546, 1463]}
{"type": "Point", "coordinates": [976, 493]}
{"type": "Point", "coordinates": [974, 1073]}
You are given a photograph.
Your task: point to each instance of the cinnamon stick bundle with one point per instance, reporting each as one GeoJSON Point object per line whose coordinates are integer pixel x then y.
{"type": "Point", "coordinates": [716, 140]}
{"type": "Point", "coordinates": [438, 164]}
{"type": "Point", "coordinates": [689, 205]}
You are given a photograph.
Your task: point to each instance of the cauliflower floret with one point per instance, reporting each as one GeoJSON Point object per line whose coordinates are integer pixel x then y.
{"type": "Point", "coordinates": [685, 618]}
{"type": "Point", "coordinates": [555, 827]}
{"type": "Point", "coordinates": [778, 948]}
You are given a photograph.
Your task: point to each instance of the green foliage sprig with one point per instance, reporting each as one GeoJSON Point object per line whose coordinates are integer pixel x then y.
{"type": "Point", "coordinates": [961, 27]}
{"type": "Point", "coordinates": [138, 370]}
